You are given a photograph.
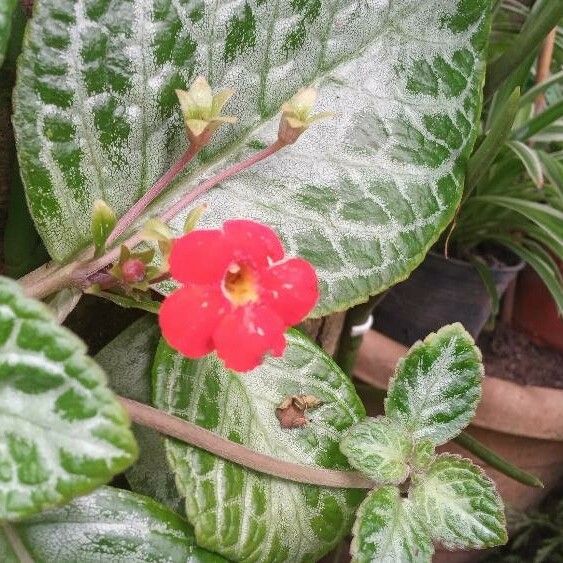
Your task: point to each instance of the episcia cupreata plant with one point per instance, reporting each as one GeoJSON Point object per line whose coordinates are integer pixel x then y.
{"type": "Point", "coordinates": [122, 143]}
{"type": "Point", "coordinates": [424, 496]}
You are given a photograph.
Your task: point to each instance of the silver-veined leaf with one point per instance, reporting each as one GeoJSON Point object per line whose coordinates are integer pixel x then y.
{"type": "Point", "coordinates": [127, 360]}
{"type": "Point", "coordinates": [109, 525]}
{"type": "Point", "coordinates": [460, 504]}
{"type": "Point", "coordinates": [62, 431]}
{"type": "Point", "coordinates": [389, 530]}
{"type": "Point", "coordinates": [362, 196]}
{"type": "Point", "coordinates": [378, 448]}
{"type": "Point", "coordinates": [244, 515]}
{"type": "Point", "coordinates": [437, 385]}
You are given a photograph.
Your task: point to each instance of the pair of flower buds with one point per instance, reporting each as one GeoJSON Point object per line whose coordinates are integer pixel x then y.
{"type": "Point", "coordinates": [202, 112]}
{"type": "Point", "coordinates": [239, 291]}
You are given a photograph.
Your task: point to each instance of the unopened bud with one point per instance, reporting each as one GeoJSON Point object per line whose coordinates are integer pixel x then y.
{"type": "Point", "coordinates": [296, 115]}
{"type": "Point", "coordinates": [102, 224]}
{"type": "Point", "coordinates": [193, 217]}
{"type": "Point", "coordinates": [202, 110]}
{"type": "Point", "coordinates": [133, 271]}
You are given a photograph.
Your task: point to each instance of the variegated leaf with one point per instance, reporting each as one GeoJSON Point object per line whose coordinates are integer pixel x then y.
{"type": "Point", "coordinates": [62, 431]}
{"type": "Point", "coordinates": [362, 196]}
{"type": "Point", "coordinates": [389, 530]}
{"type": "Point", "coordinates": [437, 385]}
{"type": "Point", "coordinates": [127, 360]}
{"type": "Point", "coordinates": [244, 515]}
{"type": "Point", "coordinates": [460, 504]}
{"type": "Point", "coordinates": [378, 448]}
{"type": "Point", "coordinates": [109, 526]}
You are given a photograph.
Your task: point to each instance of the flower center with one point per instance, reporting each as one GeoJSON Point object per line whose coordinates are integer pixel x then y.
{"type": "Point", "coordinates": [240, 285]}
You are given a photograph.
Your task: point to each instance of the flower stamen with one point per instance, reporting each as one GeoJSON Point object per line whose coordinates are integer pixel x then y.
{"type": "Point", "coordinates": [239, 285]}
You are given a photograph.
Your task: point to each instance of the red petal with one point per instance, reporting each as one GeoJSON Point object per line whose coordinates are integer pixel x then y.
{"type": "Point", "coordinates": [200, 257]}
{"type": "Point", "coordinates": [291, 289]}
{"type": "Point", "coordinates": [188, 318]}
{"type": "Point", "coordinates": [246, 335]}
{"type": "Point", "coordinates": [254, 241]}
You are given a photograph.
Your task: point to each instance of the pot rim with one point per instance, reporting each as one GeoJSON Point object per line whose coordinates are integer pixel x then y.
{"type": "Point", "coordinates": [516, 268]}
{"type": "Point", "coordinates": [505, 406]}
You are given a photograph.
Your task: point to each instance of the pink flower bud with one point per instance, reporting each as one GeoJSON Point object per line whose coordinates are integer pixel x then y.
{"type": "Point", "coordinates": [133, 270]}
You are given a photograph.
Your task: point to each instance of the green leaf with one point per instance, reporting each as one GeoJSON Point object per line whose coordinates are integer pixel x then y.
{"type": "Point", "coordinates": [437, 385]}
{"type": "Point", "coordinates": [529, 159]}
{"type": "Point", "coordinates": [378, 448]}
{"type": "Point", "coordinates": [460, 503]}
{"type": "Point", "coordinates": [388, 530]}
{"type": "Point", "coordinates": [109, 525]}
{"type": "Point", "coordinates": [535, 91]}
{"type": "Point", "coordinates": [249, 516]}
{"type": "Point", "coordinates": [544, 216]}
{"type": "Point", "coordinates": [541, 20]}
{"type": "Point", "coordinates": [487, 151]}
{"type": "Point", "coordinates": [553, 170]}
{"type": "Point", "coordinates": [7, 8]}
{"type": "Point", "coordinates": [62, 432]}
{"type": "Point", "coordinates": [362, 196]}
{"type": "Point", "coordinates": [127, 360]}
{"type": "Point", "coordinates": [537, 124]}
{"type": "Point", "coordinates": [486, 275]}
{"type": "Point", "coordinates": [544, 265]}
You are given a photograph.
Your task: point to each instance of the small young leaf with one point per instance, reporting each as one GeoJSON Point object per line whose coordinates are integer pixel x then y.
{"type": "Point", "coordinates": [437, 386]}
{"type": "Point", "coordinates": [460, 504]}
{"type": "Point", "coordinates": [110, 525]}
{"type": "Point", "coordinates": [388, 530]}
{"type": "Point", "coordinates": [62, 432]}
{"type": "Point", "coordinates": [378, 448]}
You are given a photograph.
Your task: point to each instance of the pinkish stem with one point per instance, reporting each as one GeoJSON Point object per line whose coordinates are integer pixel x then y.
{"type": "Point", "coordinates": [78, 274]}
{"type": "Point", "coordinates": [82, 275]}
{"type": "Point", "coordinates": [157, 188]}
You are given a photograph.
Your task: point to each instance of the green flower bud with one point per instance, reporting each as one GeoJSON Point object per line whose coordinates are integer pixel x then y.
{"type": "Point", "coordinates": [102, 224]}
{"type": "Point", "coordinates": [193, 217]}
{"type": "Point", "coordinates": [296, 115]}
{"type": "Point", "coordinates": [202, 110]}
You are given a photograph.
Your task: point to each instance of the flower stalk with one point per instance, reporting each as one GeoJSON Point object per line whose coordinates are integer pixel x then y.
{"type": "Point", "coordinates": [78, 272]}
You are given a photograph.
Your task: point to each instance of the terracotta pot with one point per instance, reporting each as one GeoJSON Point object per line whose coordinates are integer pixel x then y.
{"type": "Point", "coordinates": [535, 311]}
{"type": "Point", "coordinates": [440, 291]}
{"type": "Point", "coordinates": [524, 424]}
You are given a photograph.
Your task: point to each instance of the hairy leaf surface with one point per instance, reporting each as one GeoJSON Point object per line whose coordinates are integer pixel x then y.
{"type": "Point", "coordinates": [127, 360]}
{"type": "Point", "coordinates": [112, 526]}
{"type": "Point", "coordinates": [62, 432]}
{"type": "Point", "coordinates": [389, 530]}
{"type": "Point", "coordinates": [460, 504]}
{"type": "Point", "coordinates": [245, 515]}
{"type": "Point", "coordinates": [436, 387]}
{"type": "Point", "coordinates": [362, 196]}
{"type": "Point", "coordinates": [378, 448]}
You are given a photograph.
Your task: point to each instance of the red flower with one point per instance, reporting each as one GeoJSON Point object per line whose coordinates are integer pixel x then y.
{"type": "Point", "coordinates": [240, 294]}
